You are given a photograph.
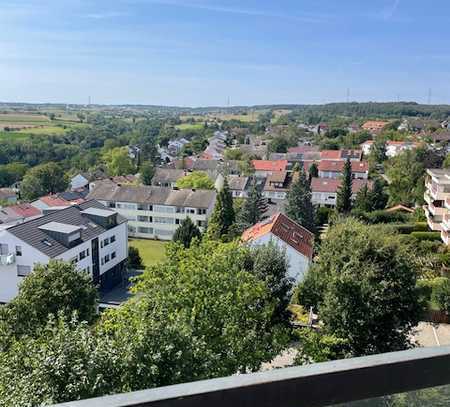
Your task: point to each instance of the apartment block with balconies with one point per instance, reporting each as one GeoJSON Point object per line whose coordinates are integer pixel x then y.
{"type": "Point", "coordinates": [437, 201]}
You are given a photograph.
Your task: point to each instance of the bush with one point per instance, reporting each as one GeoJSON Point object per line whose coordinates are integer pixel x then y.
{"type": "Point", "coordinates": [381, 216]}
{"type": "Point", "coordinates": [405, 229]}
{"type": "Point", "coordinates": [441, 295]}
{"type": "Point", "coordinates": [426, 235]}
{"type": "Point", "coordinates": [421, 227]}
{"type": "Point", "coordinates": [428, 286]}
{"type": "Point", "coordinates": [322, 215]}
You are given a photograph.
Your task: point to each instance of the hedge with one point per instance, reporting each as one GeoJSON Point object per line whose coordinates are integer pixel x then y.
{"type": "Point", "coordinates": [427, 235]}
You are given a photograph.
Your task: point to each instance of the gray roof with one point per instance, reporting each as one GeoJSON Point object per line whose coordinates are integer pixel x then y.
{"type": "Point", "coordinates": [167, 175]}
{"type": "Point", "coordinates": [109, 191]}
{"type": "Point", "coordinates": [32, 233]}
{"type": "Point", "coordinates": [237, 183]}
{"type": "Point", "coordinates": [59, 227]}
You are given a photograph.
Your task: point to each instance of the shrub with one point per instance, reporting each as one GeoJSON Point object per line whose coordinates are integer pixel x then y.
{"type": "Point", "coordinates": [421, 227]}
{"type": "Point", "coordinates": [441, 295]}
{"type": "Point", "coordinates": [322, 215]}
{"type": "Point", "coordinates": [426, 235]}
{"type": "Point", "coordinates": [428, 286]}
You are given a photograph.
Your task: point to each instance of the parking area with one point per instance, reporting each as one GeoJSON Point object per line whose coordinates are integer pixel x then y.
{"type": "Point", "coordinates": [430, 334]}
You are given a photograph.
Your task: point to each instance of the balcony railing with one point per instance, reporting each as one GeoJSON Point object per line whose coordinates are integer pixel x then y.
{"type": "Point", "coordinates": [7, 259]}
{"type": "Point", "coordinates": [316, 385]}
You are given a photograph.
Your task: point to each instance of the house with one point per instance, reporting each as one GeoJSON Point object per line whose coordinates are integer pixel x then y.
{"type": "Point", "coordinates": [437, 202]}
{"type": "Point", "coordinates": [353, 155]}
{"type": "Point", "coordinates": [334, 169]}
{"type": "Point", "coordinates": [17, 214]}
{"type": "Point", "coordinates": [50, 201]}
{"type": "Point", "coordinates": [440, 137]}
{"type": "Point", "coordinates": [79, 181]}
{"type": "Point", "coordinates": [374, 126]}
{"type": "Point", "coordinates": [324, 190]}
{"type": "Point", "coordinates": [263, 168]}
{"type": "Point", "coordinates": [240, 186]}
{"type": "Point", "coordinates": [167, 177]}
{"type": "Point", "coordinates": [393, 148]}
{"type": "Point", "coordinates": [287, 235]}
{"type": "Point", "coordinates": [276, 185]}
{"type": "Point", "coordinates": [155, 212]}
{"type": "Point", "coordinates": [8, 195]}
{"type": "Point", "coordinates": [89, 235]}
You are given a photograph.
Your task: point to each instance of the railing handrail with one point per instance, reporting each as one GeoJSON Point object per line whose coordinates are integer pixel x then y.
{"type": "Point", "coordinates": [313, 385]}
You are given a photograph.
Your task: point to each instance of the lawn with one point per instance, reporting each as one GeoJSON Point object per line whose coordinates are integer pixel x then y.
{"type": "Point", "coordinates": [51, 130]}
{"type": "Point", "coordinates": [17, 119]}
{"type": "Point", "coordinates": [189, 126]}
{"type": "Point", "coordinates": [151, 251]}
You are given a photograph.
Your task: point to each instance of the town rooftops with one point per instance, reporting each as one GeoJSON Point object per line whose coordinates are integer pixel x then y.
{"type": "Point", "coordinates": [38, 232]}
{"type": "Point", "coordinates": [167, 176]}
{"type": "Point", "coordinates": [109, 191]}
{"type": "Point", "coordinates": [23, 210]}
{"type": "Point", "coordinates": [296, 236]}
{"type": "Point", "coordinates": [302, 149]}
{"type": "Point", "coordinates": [439, 174]}
{"type": "Point", "coordinates": [267, 165]}
{"type": "Point", "coordinates": [238, 183]}
{"type": "Point", "coordinates": [331, 185]}
{"type": "Point", "coordinates": [330, 155]}
{"type": "Point", "coordinates": [7, 193]}
{"type": "Point", "coordinates": [340, 154]}
{"type": "Point", "coordinates": [53, 201]}
{"type": "Point", "coordinates": [338, 166]}
{"type": "Point", "coordinates": [374, 124]}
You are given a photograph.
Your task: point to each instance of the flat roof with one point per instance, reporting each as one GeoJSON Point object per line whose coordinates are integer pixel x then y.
{"type": "Point", "coordinates": [59, 227]}
{"type": "Point", "coordinates": [104, 213]}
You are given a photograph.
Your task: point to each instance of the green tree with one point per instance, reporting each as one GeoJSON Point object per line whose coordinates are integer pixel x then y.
{"type": "Point", "coordinates": [12, 173]}
{"type": "Point", "coordinates": [363, 201]}
{"type": "Point", "coordinates": [406, 174]}
{"type": "Point", "coordinates": [51, 289]}
{"type": "Point", "coordinates": [198, 315]}
{"type": "Point", "coordinates": [134, 258]}
{"type": "Point", "coordinates": [344, 193]}
{"type": "Point", "coordinates": [363, 285]}
{"type": "Point", "coordinates": [118, 162]}
{"type": "Point", "coordinates": [378, 151]}
{"type": "Point", "coordinates": [313, 171]}
{"type": "Point", "coordinates": [378, 196]}
{"type": "Point", "coordinates": [147, 172]}
{"type": "Point", "coordinates": [223, 216]}
{"type": "Point", "coordinates": [299, 206]}
{"type": "Point", "coordinates": [196, 180]}
{"type": "Point", "coordinates": [253, 209]}
{"type": "Point", "coordinates": [186, 232]}
{"type": "Point", "coordinates": [43, 179]}
{"type": "Point", "coordinates": [441, 295]}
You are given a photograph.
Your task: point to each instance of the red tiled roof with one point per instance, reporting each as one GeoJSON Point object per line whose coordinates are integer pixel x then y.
{"type": "Point", "coordinates": [24, 210]}
{"type": "Point", "coordinates": [331, 185]}
{"type": "Point", "coordinates": [269, 165]}
{"type": "Point", "coordinates": [290, 232]}
{"type": "Point", "coordinates": [52, 200]}
{"type": "Point", "coordinates": [374, 124]}
{"type": "Point", "coordinates": [330, 154]}
{"type": "Point", "coordinates": [338, 166]}
{"type": "Point", "coordinates": [301, 149]}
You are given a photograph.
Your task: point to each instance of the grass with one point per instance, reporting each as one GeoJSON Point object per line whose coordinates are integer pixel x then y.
{"type": "Point", "coordinates": [8, 135]}
{"type": "Point", "coordinates": [53, 130]}
{"type": "Point", "coordinates": [151, 251]}
{"type": "Point", "coordinates": [189, 126]}
{"type": "Point", "coordinates": [18, 119]}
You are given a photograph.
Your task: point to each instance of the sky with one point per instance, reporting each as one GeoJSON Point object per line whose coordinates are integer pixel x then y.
{"type": "Point", "coordinates": [215, 52]}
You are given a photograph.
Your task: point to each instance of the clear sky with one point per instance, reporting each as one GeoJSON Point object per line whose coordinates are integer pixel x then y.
{"type": "Point", "coordinates": [202, 52]}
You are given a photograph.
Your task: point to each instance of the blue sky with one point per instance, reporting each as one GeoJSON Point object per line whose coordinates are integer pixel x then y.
{"type": "Point", "coordinates": [202, 52]}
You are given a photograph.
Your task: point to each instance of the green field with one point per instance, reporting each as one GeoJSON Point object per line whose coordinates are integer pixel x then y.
{"type": "Point", "coordinates": [53, 130]}
{"type": "Point", "coordinates": [151, 251]}
{"type": "Point", "coordinates": [22, 119]}
{"type": "Point", "coordinates": [189, 126]}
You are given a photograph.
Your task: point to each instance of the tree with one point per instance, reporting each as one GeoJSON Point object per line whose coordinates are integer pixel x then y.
{"type": "Point", "coordinates": [313, 171]}
{"type": "Point", "coordinates": [344, 193]}
{"type": "Point", "coordinates": [253, 209]}
{"type": "Point", "coordinates": [198, 315]}
{"type": "Point", "coordinates": [441, 295]}
{"type": "Point", "coordinates": [363, 285]}
{"type": "Point", "coordinates": [118, 162]}
{"type": "Point", "coordinates": [278, 145]}
{"type": "Point", "coordinates": [405, 173]}
{"type": "Point", "coordinates": [195, 180]}
{"type": "Point", "coordinates": [378, 197]}
{"type": "Point", "coordinates": [12, 173]}
{"type": "Point", "coordinates": [363, 201]}
{"type": "Point", "coordinates": [147, 172]}
{"type": "Point", "coordinates": [81, 117]}
{"type": "Point", "coordinates": [223, 215]}
{"type": "Point", "coordinates": [378, 151]}
{"type": "Point", "coordinates": [186, 232]}
{"type": "Point", "coordinates": [51, 289]}
{"type": "Point", "coordinates": [43, 179]}
{"type": "Point", "coordinates": [134, 258]}
{"type": "Point", "coordinates": [299, 205]}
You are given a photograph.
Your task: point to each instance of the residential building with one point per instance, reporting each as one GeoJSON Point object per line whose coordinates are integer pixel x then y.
{"type": "Point", "coordinates": [240, 186]}
{"type": "Point", "coordinates": [167, 177]}
{"type": "Point", "coordinates": [89, 235]}
{"type": "Point", "coordinates": [155, 212]}
{"type": "Point", "coordinates": [79, 181]}
{"type": "Point", "coordinates": [393, 148]}
{"type": "Point", "coordinates": [437, 199]}
{"type": "Point", "coordinates": [288, 235]}
{"type": "Point", "coordinates": [276, 185]}
{"type": "Point", "coordinates": [334, 169]}
{"type": "Point", "coordinates": [324, 190]}
{"type": "Point", "coordinates": [353, 155]}
{"type": "Point", "coordinates": [374, 126]}
{"type": "Point", "coordinates": [263, 168]}
{"type": "Point", "coordinates": [18, 213]}
{"type": "Point", "coordinates": [50, 201]}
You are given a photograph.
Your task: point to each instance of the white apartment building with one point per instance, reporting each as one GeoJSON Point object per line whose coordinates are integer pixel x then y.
{"type": "Point", "coordinates": [155, 212]}
{"type": "Point", "coordinates": [437, 198]}
{"type": "Point", "coordinates": [88, 235]}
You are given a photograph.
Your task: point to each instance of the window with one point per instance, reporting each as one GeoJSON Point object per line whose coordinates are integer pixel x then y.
{"type": "Point", "coordinates": [74, 260]}
{"type": "Point", "coordinates": [144, 230]}
{"type": "Point", "coordinates": [162, 232]}
{"type": "Point", "coordinates": [111, 204]}
{"type": "Point", "coordinates": [113, 255]}
{"type": "Point", "coordinates": [143, 218]}
{"type": "Point", "coordinates": [107, 258]}
{"type": "Point", "coordinates": [102, 261]}
{"type": "Point", "coordinates": [201, 211]}
{"type": "Point", "coordinates": [18, 250]}
{"type": "Point", "coordinates": [190, 210]}
{"type": "Point", "coordinates": [169, 221]}
{"type": "Point", "coordinates": [144, 207]}
{"type": "Point", "coordinates": [112, 239]}
{"type": "Point", "coordinates": [177, 221]}
{"type": "Point", "coordinates": [131, 229]}
{"type": "Point", "coordinates": [180, 210]}
{"type": "Point", "coordinates": [105, 242]}
{"type": "Point", "coordinates": [3, 249]}
{"type": "Point", "coordinates": [23, 271]}
{"type": "Point", "coordinates": [82, 255]}
{"type": "Point", "coordinates": [164, 209]}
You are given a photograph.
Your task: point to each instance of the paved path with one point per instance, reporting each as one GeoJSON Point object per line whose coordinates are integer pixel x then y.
{"type": "Point", "coordinates": [428, 334]}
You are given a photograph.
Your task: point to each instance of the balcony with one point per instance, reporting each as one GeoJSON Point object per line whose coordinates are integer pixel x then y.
{"type": "Point", "coordinates": [436, 210]}
{"type": "Point", "coordinates": [434, 222]}
{"type": "Point", "coordinates": [323, 384]}
{"type": "Point", "coordinates": [7, 259]}
{"type": "Point", "coordinates": [445, 236]}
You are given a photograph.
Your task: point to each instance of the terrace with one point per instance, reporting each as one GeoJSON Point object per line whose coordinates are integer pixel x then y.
{"type": "Point", "coordinates": [374, 377]}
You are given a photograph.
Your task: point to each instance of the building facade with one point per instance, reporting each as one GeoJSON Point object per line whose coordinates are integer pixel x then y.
{"type": "Point", "coordinates": [88, 235]}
